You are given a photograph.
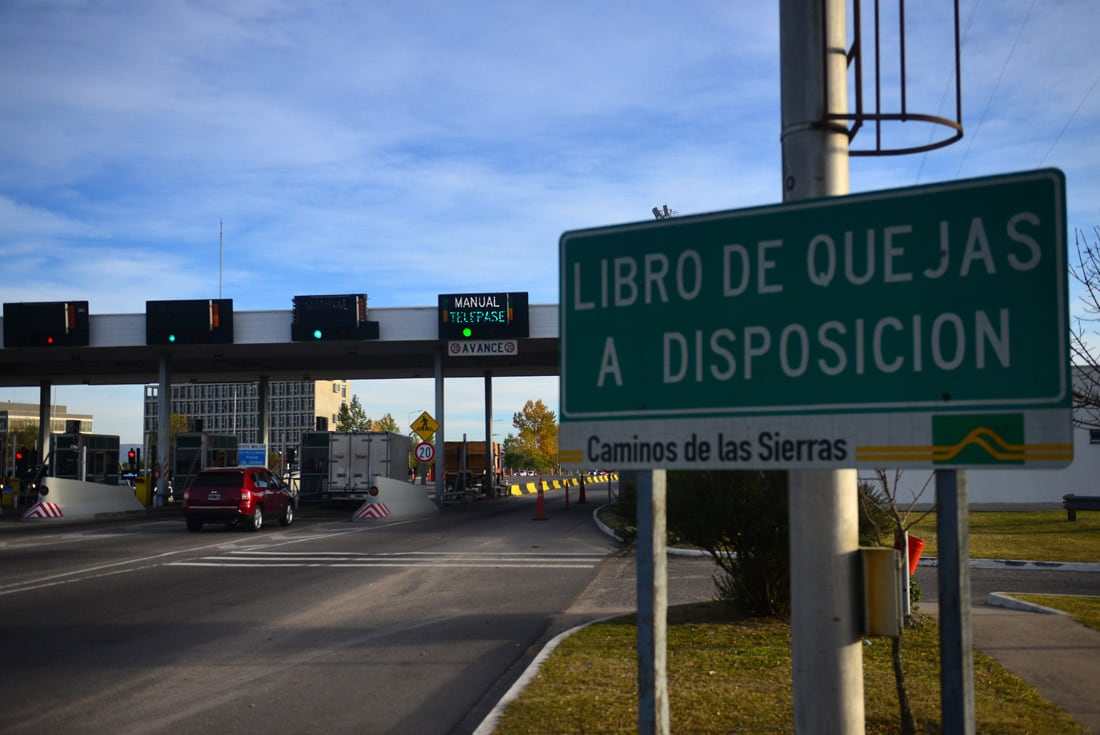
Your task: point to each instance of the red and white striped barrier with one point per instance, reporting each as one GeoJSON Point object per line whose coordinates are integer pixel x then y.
{"type": "Point", "coordinates": [372, 510]}
{"type": "Point", "coordinates": [82, 500]}
{"type": "Point", "coordinates": [43, 509]}
{"type": "Point", "coordinates": [391, 498]}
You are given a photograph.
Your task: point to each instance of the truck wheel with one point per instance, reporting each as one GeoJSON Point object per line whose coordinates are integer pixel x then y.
{"type": "Point", "coordinates": [194, 525]}
{"type": "Point", "coordinates": [288, 515]}
{"type": "Point", "coordinates": [256, 520]}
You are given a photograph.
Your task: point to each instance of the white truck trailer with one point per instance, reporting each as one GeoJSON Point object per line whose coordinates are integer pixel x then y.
{"type": "Point", "coordinates": [357, 459]}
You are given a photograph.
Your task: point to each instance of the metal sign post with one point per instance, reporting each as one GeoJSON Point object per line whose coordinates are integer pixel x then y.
{"type": "Point", "coordinates": [653, 713]}
{"type": "Point", "coordinates": [953, 579]}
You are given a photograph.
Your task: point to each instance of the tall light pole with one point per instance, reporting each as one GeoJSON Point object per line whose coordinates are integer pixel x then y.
{"type": "Point", "coordinates": [826, 652]}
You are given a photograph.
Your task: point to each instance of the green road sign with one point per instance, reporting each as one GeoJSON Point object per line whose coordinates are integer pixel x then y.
{"type": "Point", "coordinates": [824, 333]}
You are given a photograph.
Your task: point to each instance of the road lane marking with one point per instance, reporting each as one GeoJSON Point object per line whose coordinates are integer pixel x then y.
{"type": "Point", "coordinates": [433, 559]}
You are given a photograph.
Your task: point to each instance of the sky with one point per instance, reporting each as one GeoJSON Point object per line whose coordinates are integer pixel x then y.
{"type": "Point", "coordinates": [258, 149]}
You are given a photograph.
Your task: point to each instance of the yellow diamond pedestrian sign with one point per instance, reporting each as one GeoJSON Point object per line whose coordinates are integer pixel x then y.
{"type": "Point", "coordinates": [425, 426]}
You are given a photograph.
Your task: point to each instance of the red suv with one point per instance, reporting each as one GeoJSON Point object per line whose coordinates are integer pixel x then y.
{"type": "Point", "coordinates": [232, 494]}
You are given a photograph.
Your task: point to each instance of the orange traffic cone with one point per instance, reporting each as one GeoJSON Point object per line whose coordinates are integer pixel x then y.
{"type": "Point", "coordinates": [580, 493]}
{"type": "Point", "coordinates": [540, 508]}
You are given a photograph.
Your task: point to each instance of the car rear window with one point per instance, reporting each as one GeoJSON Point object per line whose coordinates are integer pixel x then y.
{"type": "Point", "coordinates": [219, 479]}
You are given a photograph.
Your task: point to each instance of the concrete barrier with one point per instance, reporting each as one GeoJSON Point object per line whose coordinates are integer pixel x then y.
{"type": "Point", "coordinates": [396, 499]}
{"type": "Point", "coordinates": [530, 488]}
{"type": "Point", "coordinates": [75, 500]}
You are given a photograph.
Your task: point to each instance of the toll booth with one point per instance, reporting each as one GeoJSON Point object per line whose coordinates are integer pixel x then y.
{"type": "Point", "coordinates": [87, 457]}
{"type": "Point", "coordinates": [313, 460]}
{"type": "Point", "coordinates": [193, 451]}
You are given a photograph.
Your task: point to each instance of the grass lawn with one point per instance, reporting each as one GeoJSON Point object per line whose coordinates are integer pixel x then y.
{"type": "Point", "coordinates": [729, 674]}
{"type": "Point", "coordinates": [1085, 610]}
{"type": "Point", "coordinates": [733, 674]}
{"type": "Point", "coordinates": [1029, 535]}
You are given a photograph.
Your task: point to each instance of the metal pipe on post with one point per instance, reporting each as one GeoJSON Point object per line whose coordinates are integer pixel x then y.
{"type": "Point", "coordinates": [826, 651]}
{"type": "Point", "coordinates": [440, 444]}
{"type": "Point", "coordinates": [263, 391]}
{"type": "Point", "coordinates": [164, 430]}
{"type": "Point", "coordinates": [45, 412]}
{"type": "Point", "coordinates": [490, 459]}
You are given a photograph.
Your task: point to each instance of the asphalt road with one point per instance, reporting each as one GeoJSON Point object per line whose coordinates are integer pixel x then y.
{"type": "Point", "coordinates": [325, 626]}
{"type": "Point", "coordinates": [1008, 579]}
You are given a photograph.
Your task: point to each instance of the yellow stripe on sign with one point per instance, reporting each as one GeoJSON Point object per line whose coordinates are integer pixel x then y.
{"type": "Point", "coordinates": [993, 445]}
{"type": "Point", "coordinates": [570, 456]}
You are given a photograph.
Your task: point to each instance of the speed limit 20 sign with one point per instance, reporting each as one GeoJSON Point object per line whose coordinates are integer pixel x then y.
{"type": "Point", "coordinates": [425, 451]}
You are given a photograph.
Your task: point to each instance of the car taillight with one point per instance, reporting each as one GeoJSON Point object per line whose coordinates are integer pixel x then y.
{"type": "Point", "coordinates": [186, 495]}
{"type": "Point", "coordinates": [246, 495]}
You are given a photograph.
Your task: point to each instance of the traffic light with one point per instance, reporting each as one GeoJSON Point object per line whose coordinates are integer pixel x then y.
{"type": "Point", "coordinates": [196, 321]}
{"type": "Point", "coordinates": [327, 318]}
{"type": "Point", "coordinates": [46, 324]}
{"type": "Point", "coordinates": [132, 455]}
{"type": "Point", "coordinates": [20, 461]}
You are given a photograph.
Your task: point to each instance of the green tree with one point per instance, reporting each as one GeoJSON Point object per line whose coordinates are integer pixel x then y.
{"type": "Point", "coordinates": [512, 457]}
{"type": "Point", "coordinates": [386, 423]}
{"type": "Point", "coordinates": [352, 417]}
{"type": "Point", "coordinates": [740, 518]}
{"type": "Point", "coordinates": [177, 424]}
{"type": "Point", "coordinates": [24, 435]}
{"type": "Point", "coordinates": [536, 445]}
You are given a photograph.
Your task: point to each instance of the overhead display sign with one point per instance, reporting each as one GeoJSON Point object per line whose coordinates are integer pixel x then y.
{"type": "Point", "coordinates": [483, 316]}
{"type": "Point", "coordinates": [915, 327]}
{"type": "Point", "coordinates": [320, 318]}
{"type": "Point", "coordinates": [46, 324]}
{"type": "Point", "coordinates": [195, 321]}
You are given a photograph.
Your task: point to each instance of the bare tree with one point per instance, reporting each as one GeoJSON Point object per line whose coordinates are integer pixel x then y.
{"type": "Point", "coordinates": [885, 513]}
{"type": "Point", "coordinates": [1086, 359]}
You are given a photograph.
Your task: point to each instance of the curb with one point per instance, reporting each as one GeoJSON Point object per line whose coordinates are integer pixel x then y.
{"type": "Point", "coordinates": [607, 530]}
{"type": "Point", "coordinates": [1021, 564]}
{"type": "Point", "coordinates": [1002, 599]}
{"type": "Point", "coordinates": [490, 722]}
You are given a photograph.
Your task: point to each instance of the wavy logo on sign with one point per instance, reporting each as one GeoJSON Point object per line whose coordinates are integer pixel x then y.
{"type": "Point", "coordinates": [972, 439]}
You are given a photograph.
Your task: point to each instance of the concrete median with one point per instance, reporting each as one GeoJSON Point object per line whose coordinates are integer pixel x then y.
{"type": "Point", "coordinates": [76, 500]}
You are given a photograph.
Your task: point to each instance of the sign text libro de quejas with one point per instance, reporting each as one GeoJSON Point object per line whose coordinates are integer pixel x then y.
{"type": "Point", "coordinates": [914, 327]}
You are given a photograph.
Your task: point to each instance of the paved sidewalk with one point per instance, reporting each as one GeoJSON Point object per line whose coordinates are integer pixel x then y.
{"type": "Point", "coordinates": [1051, 652]}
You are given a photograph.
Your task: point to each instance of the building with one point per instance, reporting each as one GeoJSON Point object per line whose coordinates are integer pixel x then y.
{"type": "Point", "coordinates": [294, 406]}
{"type": "Point", "coordinates": [15, 416]}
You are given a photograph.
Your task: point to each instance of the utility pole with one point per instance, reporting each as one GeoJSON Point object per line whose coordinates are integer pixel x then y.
{"type": "Point", "coordinates": [826, 649]}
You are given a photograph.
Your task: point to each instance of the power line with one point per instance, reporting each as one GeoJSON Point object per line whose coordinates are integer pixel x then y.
{"type": "Point", "coordinates": [993, 92]}
{"type": "Point", "coordinates": [947, 85]}
{"type": "Point", "coordinates": [1072, 115]}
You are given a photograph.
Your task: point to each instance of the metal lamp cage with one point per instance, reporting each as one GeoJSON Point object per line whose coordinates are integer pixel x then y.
{"type": "Point", "coordinates": [885, 40]}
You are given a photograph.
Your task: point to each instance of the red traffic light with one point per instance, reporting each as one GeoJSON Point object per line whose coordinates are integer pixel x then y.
{"type": "Point", "coordinates": [132, 455]}
{"type": "Point", "coordinates": [18, 456]}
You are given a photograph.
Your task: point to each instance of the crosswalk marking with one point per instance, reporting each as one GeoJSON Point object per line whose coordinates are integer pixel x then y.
{"type": "Point", "coordinates": [340, 559]}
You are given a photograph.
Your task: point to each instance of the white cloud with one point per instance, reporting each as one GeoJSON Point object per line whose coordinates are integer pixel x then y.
{"type": "Point", "coordinates": [409, 148]}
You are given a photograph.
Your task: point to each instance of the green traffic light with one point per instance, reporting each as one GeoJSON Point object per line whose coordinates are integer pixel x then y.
{"type": "Point", "coordinates": [171, 338]}
{"type": "Point", "coordinates": [317, 334]}
{"type": "Point", "coordinates": [466, 331]}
